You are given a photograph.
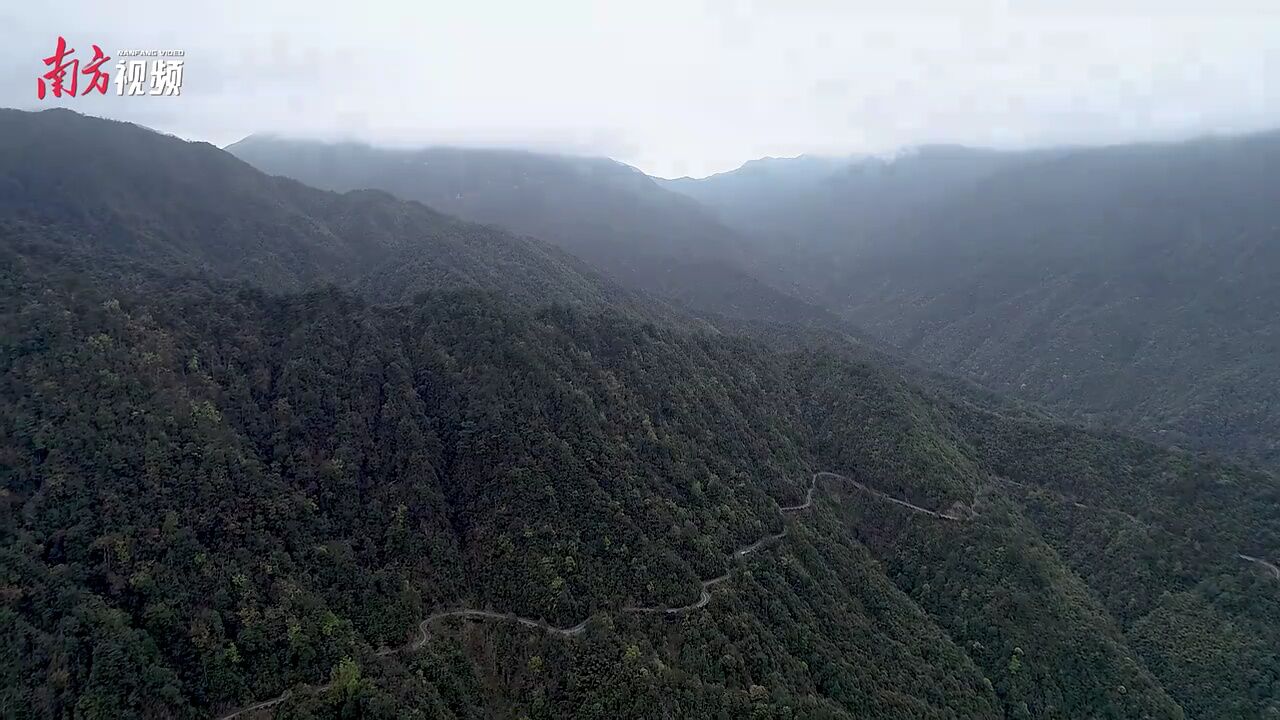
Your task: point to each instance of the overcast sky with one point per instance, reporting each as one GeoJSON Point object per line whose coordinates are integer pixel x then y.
{"type": "Point", "coordinates": [679, 87]}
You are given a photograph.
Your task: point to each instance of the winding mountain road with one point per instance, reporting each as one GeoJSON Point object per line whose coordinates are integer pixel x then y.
{"type": "Point", "coordinates": [704, 596]}
{"type": "Point", "coordinates": [267, 703]}
{"type": "Point", "coordinates": [896, 501]}
{"type": "Point", "coordinates": [1266, 565]}
{"type": "Point", "coordinates": [481, 615]}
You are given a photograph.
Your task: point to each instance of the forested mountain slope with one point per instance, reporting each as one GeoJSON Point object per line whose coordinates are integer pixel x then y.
{"type": "Point", "coordinates": [108, 195]}
{"type": "Point", "coordinates": [811, 216]}
{"type": "Point", "coordinates": [264, 490]}
{"type": "Point", "coordinates": [1134, 285]}
{"type": "Point", "coordinates": [219, 496]}
{"type": "Point", "coordinates": [607, 213]}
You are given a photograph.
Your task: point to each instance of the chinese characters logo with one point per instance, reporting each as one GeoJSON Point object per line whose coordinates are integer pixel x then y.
{"type": "Point", "coordinates": [161, 75]}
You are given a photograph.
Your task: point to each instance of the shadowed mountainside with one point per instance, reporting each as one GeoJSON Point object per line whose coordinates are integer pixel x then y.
{"type": "Point", "coordinates": [602, 211]}
{"type": "Point", "coordinates": [1132, 286]}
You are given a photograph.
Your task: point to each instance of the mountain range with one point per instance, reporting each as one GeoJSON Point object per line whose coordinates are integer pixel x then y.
{"type": "Point", "coordinates": [276, 450]}
{"type": "Point", "coordinates": [609, 214]}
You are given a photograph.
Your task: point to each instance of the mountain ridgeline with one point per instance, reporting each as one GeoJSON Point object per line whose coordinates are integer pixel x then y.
{"type": "Point", "coordinates": [607, 213]}
{"type": "Point", "coordinates": [112, 198]}
{"type": "Point", "coordinates": [270, 451]}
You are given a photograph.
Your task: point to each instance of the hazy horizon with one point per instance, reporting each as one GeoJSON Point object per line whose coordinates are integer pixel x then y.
{"type": "Point", "coordinates": [680, 89]}
{"type": "Point", "coordinates": [517, 148]}
{"type": "Point", "coordinates": [887, 155]}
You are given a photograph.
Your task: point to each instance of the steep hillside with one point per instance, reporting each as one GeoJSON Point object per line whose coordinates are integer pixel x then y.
{"type": "Point", "coordinates": [1133, 285]}
{"type": "Point", "coordinates": [604, 212]}
{"type": "Point", "coordinates": [812, 218]}
{"type": "Point", "coordinates": [110, 197]}
{"type": "Point", "coordinates": [1129, 285]}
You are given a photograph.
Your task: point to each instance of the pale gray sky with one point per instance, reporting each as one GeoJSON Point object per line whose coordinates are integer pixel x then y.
{"type": "Point", "coordinates": [678, 86]}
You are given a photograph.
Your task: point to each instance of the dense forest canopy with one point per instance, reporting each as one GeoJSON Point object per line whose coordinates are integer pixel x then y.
{"type": "Point", "coordinates": [230, 484]}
